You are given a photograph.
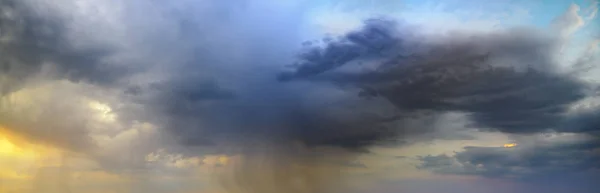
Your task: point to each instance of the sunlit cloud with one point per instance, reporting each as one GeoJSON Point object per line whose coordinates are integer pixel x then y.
{"type": "Point", "coordinates": [104, 111]}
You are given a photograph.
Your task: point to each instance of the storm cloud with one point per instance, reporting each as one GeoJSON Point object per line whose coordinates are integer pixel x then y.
{"type": "Point", "coordinates": [507, 80]}
{"type": "Point", "coordinates": [363, 86]}
{"type": "Point", "coordinates": [36, 42]}
{"type": "Point", "coordinates": [211, 76]}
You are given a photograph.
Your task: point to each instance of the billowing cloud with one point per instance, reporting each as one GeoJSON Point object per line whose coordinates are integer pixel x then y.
{"type": "Point", "coordinates": [503, 79]}
{"type": "Point", "coordinates": [507, 80]}
{"type": "Point", "coordinates": [169, 88]}
{"type": "Point", "coordinates": [36, 42]}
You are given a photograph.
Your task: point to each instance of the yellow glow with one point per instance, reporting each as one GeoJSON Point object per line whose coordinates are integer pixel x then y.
{"type": "Point", "coordinates": [19, 159]}
{"type": "Point", "coordinates": [26, 167]}
{"type": "Point", "coordinates": [11, 158]}
{"type": "Point", "coordinates": [6, 147]}
{"type": "Point", "coordinates": [510, 145]}
{"type": "Point", "coordinates": [9, 149]}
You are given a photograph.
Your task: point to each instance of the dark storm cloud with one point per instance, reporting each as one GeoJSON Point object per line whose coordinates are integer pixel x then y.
{"type": "Point", "coordinates": [199, 92]}
{"type": "Point", "coordinates": [376, 38]}
{"type": "Point", "coordinates": [224, 90]}
{"type": "Point", "coordinates": [214, 83]}
{"type": "Point", "coordinates": [208, 88]}
{"type": "Point", "coordinates": [506, 80]}
{"type": "Point", "coordinates": [215, 100]}
{"type": "Point", "coordinates": [42, 42]}
{"type": "Point", "coordinates": [271, 115]}
{"type": "Point", "coordinates": [31, 41]}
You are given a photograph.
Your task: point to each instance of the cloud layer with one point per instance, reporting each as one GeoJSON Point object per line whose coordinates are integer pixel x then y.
{"type": "Point", "coordinates": [209, 78]}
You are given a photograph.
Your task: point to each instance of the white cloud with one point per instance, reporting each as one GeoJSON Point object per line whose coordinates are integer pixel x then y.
{"type": "Point", "coordinates": [568, 22]}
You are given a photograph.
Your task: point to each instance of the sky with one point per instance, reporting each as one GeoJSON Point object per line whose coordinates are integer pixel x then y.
{"type": "Point", "coordinates": [303, 96]}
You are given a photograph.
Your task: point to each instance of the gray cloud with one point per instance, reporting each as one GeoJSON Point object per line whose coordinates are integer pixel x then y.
{"type": "Point", "coordinates": [32, 42]}
{"type": "Point", "coordinates": [538, 163]}
{"type": "Point", "coordinates": [585, 120]}
{"type": "Point", "coordinates": [506, 80]}
{"type": "Point", "coordinates": [501, 80]}
{"type": "Point", "coordinates": [208, 78]}
{"type": "Point", "coordinates": [355, 164]}
{"type": "Point", "coordinates": [234, 103]}
{"type": "Point", "coordinates": [203, 86]}
{"type": "Point", "coordinates": [39, 114]}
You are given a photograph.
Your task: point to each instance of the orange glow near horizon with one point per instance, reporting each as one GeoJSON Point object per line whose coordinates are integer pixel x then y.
{"type": "Point", "coordinates": [19, 158]}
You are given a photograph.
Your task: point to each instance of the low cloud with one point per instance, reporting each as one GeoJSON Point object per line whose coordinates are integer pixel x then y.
{"type": "Point", "coordinates": [550, 157]}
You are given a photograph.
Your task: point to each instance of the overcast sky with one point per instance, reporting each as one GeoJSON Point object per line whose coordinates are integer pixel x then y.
{"type": "Point", "coordinates": [253, 96]}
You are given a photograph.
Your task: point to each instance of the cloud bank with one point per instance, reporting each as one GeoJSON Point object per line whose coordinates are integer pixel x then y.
{"type": "Point", "coordinates": [209, 78]}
